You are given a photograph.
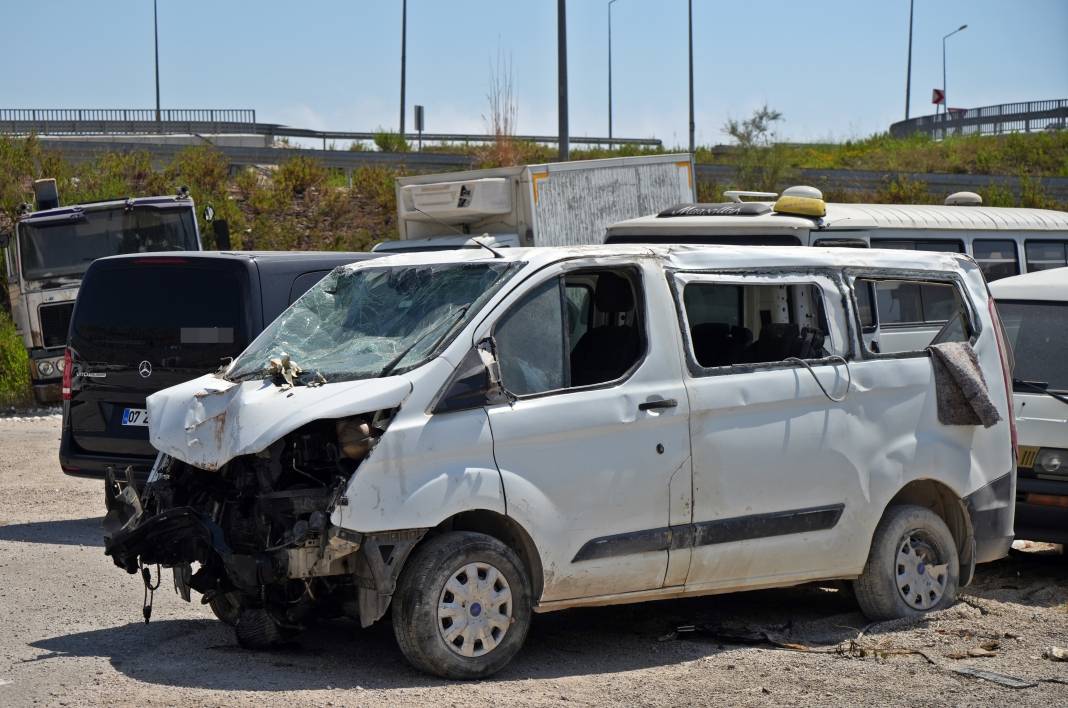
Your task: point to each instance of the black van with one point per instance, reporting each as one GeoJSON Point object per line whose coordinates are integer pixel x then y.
{"type": "Point", "coordinates": [144, 322]}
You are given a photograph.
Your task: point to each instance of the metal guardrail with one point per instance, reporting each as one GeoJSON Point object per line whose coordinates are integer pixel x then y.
{"type": "Point", "coordinates": [1023, 117]}
{"type": "Point", "coordinates": [242, 156]}
{"type": "Point", "coordinates": [858, 182]}
{"type": "Point", "coordinates": [226, 121]}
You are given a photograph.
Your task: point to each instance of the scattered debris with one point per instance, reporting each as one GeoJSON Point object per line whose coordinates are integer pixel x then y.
{"type": "Point", "coordinates": [286, 369]}
{"type": "Point", "coordinates": [973, 602]}
{"type": "Point", "coordinates": [1055, 654]}
{"type": "Point", "coordinates": [1000, 679]}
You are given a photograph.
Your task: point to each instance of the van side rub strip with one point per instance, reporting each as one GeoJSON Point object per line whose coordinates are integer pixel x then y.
{"type": "Point", "coordinates": [706, 533]}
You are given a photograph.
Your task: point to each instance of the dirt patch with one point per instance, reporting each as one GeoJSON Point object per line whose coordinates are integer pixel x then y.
{"type": "Point", "coordinates": [71, 633]}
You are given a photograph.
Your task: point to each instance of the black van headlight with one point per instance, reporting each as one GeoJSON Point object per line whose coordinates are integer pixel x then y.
{"type": "Point", "coordinates": [1051, 460]}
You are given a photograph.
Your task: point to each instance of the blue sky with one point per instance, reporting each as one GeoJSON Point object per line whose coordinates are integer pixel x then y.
{"type": "Point", "coordinates": [835, 68]}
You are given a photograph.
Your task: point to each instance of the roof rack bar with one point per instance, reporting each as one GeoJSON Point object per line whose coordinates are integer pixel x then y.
{"type": "Point", "coordinates": [735, 195]}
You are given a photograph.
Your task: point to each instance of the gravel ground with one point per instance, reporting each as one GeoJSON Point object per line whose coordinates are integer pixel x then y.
{"type": "Point", "coordinates": [71, 633]}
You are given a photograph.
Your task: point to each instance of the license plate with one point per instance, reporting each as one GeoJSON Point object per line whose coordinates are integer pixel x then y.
{"type": "Point", "coordinates": [135, 416]}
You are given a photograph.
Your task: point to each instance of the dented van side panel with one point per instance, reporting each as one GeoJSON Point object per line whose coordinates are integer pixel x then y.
{"type": "Point", "coordinates": [426, 468]}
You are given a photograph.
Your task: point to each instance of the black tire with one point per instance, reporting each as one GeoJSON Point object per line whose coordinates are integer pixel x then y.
{"type": "Point", "coordinates": [255, 629]}
{"type": "Point", "coordinates": [901, 577]}
{"type": "Point", "coordinates": [226, 606]}
{"type": "Point", "coordinates": [416, 624]}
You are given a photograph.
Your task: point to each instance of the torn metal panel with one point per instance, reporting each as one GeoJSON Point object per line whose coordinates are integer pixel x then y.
{"type": "Point", "coordinates": [208, 421]}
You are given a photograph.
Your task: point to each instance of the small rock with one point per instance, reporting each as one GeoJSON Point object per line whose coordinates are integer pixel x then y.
{"type": "Point", "coordinates": [1055, 654]}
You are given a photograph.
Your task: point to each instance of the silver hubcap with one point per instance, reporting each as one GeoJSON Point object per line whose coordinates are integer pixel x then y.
{"type": "Point", "coordinates": [475, 609]}
{"type": "Point", "coordinates": [921, 577]}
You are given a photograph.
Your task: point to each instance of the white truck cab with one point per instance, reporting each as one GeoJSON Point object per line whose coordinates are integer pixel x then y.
{"type": "Point", "coordinates": [472, 436]}
{"type": "Point", "coordinates": [52, 247]}
{"type": "Point", "coordinates": [1034, 310]}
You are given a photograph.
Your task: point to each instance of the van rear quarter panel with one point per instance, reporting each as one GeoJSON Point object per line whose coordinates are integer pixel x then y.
{"type": "Point", "coordinates": [900, 432]}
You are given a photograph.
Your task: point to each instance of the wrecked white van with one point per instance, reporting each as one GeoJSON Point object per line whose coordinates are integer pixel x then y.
{"type": "Point", "coordinates": [472, 436]}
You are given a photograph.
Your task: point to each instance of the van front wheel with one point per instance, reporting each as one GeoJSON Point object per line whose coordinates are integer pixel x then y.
{"type": "Point", "coordinates": [912, 567]}
{"type": "Point", "coordinates": [462, 606]}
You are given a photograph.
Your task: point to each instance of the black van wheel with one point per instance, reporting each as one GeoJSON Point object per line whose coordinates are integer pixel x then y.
{"type": "Point", "coordinates": [462, 606]}
{"type": "Point", "coordinates": [226, 606]}
{"type": "Point", "coordinates": [912, 567]}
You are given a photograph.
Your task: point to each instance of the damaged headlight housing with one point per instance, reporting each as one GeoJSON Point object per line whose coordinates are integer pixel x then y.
{"type": "Point", "coordinates": [1051, 460]}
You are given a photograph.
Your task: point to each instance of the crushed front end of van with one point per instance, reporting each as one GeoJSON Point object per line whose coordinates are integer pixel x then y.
{"type": "Point", "coordinates": [246, 497]}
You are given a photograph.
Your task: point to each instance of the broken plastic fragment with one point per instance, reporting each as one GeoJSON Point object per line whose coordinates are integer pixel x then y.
{"type": "Point", "coordinates": [286, 369]}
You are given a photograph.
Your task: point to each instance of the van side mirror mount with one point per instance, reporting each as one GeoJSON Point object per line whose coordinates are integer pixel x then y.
{"type": "Point", "coordinates": [476, 382]}
{"type": "Point", "coordinates": [487, 352]}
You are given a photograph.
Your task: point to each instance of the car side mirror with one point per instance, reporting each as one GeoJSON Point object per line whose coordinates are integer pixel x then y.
{"type": "Point", "coordinates": [476, 382]}
{"type": "Point", "coordinates": [5, 239]}
{"type": "Point", "coordinates": [221, 229]}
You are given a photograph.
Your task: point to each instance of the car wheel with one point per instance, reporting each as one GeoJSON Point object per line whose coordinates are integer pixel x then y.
{"type": "Point", "coordinates": [912, 568]}
{"type": "Point", "coordinates": [226, 606]}
{"type": "Point", "coordinates": [462, 606]}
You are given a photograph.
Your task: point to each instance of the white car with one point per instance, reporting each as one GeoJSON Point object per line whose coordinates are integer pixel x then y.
{"type": "Point", "coordinates": [472, 437]}
{"type": "Point", "coordinates": [1034, 308]}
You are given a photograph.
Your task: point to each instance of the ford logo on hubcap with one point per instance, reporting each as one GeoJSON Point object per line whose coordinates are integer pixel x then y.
{"type": "Point", "coordinates": [145, 369]}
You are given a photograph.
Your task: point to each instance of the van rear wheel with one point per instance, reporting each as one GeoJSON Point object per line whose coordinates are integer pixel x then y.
{"type": "Point", "coordinates": [462, 606]}
{"type": "Point", "coordinates": [913, 566]}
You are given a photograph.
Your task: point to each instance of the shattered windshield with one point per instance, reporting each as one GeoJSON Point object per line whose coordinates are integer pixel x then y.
{"type": "Point", "coordinates": [371, 322]}
{"type": "Point", "coordinates": [66, 247]}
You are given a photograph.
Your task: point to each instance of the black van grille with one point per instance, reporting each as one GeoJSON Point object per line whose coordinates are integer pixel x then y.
{"type": "Point", "coordinates": [55, 321]}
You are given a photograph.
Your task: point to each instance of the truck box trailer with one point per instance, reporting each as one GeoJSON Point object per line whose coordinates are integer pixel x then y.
{"type": "Point", "coordinates": [553, 204]}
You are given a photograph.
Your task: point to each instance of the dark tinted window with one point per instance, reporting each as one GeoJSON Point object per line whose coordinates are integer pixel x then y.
{"type": "Point", "coordinates": [997, 258]}
{"type": "Point", "coordinates": [1043, 255]}
{"type": "Point", "coordinates": [914, 306]}
{"type": "Point", "coordinates": [65, 247]}
{"type": "Point", "coordinates": [579, 330]}
{"type": "Point", "coordinates": [1038, 333]}
{"type": "Point", "coordinates": [706, 302]}
{"type": "Point", "coordinates": [713, 239]}
{"type": "Point", "coordinates": [912, 302]}
{"type": "Point", "coordinates": [938, 245]}
{"type": "Point", "coordinates": [304, 281]}
{"type": "Point", "coordinates": [530, 340]}
{"type": "Point", "coordinates": [182, 316]}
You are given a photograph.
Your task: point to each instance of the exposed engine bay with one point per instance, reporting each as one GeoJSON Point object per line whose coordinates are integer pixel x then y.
{"type": "Point", "coordinates": [254, 537]}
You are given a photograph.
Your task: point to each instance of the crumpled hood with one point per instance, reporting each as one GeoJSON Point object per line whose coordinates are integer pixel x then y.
{"type": "Point", "coordinates": [209, 421]}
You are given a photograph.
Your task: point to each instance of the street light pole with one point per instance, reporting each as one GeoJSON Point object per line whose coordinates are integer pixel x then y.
{"type": "Point", "coordinates": [945, 93]}
{"type": "Point", "coordinates": [610, 3]}
{"type": "Point", "coordinates": [692, 125]}
{"type": "Point", "coordinates": [404, 47]}
{"type": "Point", "coordinates": [561, 77]}
{"type": "Point", "coordinates": [155, 29]}
{"type": "Point", "coordinates": [908, 72]}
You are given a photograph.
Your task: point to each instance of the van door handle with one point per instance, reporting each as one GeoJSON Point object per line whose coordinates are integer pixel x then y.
{"type": "Point", "coordinates": [656, 405]}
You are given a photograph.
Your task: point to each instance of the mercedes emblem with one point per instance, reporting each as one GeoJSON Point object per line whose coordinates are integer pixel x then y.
{"type": "Point", "coordinates": [145, 369]}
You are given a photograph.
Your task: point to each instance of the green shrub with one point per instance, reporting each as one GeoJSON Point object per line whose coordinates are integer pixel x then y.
{"type": "Point", "coordinates": [387, 141]}
{"type": "Point", "coordinates": [14, 365]}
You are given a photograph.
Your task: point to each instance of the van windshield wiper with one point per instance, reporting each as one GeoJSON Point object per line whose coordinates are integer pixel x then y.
{"type": "Point", "coordinates": [392, 363]}
{"type": "Point", "coordinates": [1039, 387]}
